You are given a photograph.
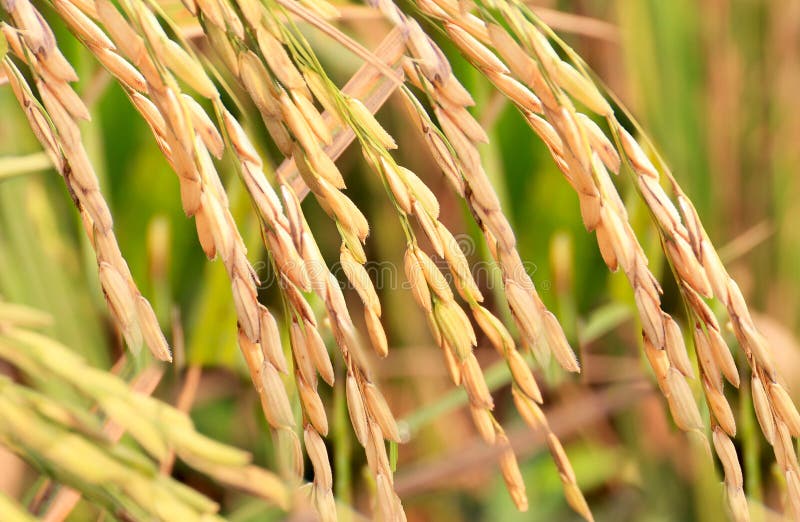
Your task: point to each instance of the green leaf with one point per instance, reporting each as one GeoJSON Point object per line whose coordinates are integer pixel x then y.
{"type": "Point", "coordinates": [12, 166]}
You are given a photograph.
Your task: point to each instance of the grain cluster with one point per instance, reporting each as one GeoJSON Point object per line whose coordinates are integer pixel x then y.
{"type": "Point", "coordinates": [311, 120]}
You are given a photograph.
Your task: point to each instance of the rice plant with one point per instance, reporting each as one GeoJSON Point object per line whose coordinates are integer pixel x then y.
{"type": "Point", "coordinates": [233, 113]}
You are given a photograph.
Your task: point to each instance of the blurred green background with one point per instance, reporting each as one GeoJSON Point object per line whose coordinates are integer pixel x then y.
{"type": "Point", "coordinates": [714, 83]}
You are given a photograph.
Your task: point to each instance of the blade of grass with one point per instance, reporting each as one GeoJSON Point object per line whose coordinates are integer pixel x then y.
{"type": "Point", "coordinates": [12, 166]}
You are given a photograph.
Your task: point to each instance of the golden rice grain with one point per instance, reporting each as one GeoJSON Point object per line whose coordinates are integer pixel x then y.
{"type": "Point", "coordinates": [600, 143]}
{"type": "Point", "coordinates": [762, 409]}
{"type": "Point", "coordinates": [459, 265]}
{"type": "Point", "coordinates": [434, 277]}
{"type": "Point", "coordinates": [582, 89]}
{"type": "Point", "coordinates": [253, 74]}
{"type": "Point", "coordinates": [365, 117]}
{"type": "Point", "coordinates": [289, 453]}
{"type": "Point", "coordinates": [298, 124]}
{"type": "Point", "coordinates": [522, 375]}
{"type": "Point", "coordinates": [344, 210]}
{"type": "Point", "coordinates": [639, 160]}
{"type": "Point", "coordinates": [577, 501]}
{"type": "Point", "coordinates": [689, 269]}
{"type": "Point", "coordinates": [119, 296]}
{"type": "Point", "coordinates": [651, 317]}
{"type": "Point", "coordinates": [525, 310]}
{"type": "Point", "coordinates": [280, 63]}
{"type": "Point", "coordinates": [475, 384]}
{"type": "Point", "coordinates": [82, 24]}
{"type": "Point", "coordinates": [737, 303]}
{"type": "Point", "coordinates": [359, 278]}
{"type": "Point", "coordinates": [482, 419]}
{"type": "Point", "coordinates": [511, 474]}
{"type": "Point", "coordinates": [377, 335]}
{"type": "Point", "coordinates": [386, 502]}
{"type": "Point", "coordinates": [720, 408]}
{"type": "Point", "coordinates": [606, 247]}
{"type": "Point", "coordinates": [377, 459]}
{"type": "Point", "coordinates": [755, 343]}
{"type": "Point", "coordinates": [314, 119]}
{"type": "Point", "coordinates": [530, 412]}
{"type": "Point", "coordinates": [232, 21]}
{"type": "Point", "coordinates": [151, 332]}
{"type": "Point", "coordinates": [417, 281]}
{"type": "Point", "coordinates": [737, 503]}
{"type": "Point", "coordinates": [784, 407]}
{"type": "Point", "coordinates": [783, 446]}
{"type": "Point", "coordinates": [466, 122]}
{"type": "Point", "coordinates": [722, 356]}
{"type": "Point", "coordinates": [428, 226]}
{"type": "Point", "coordinates": [379, 409]}
{"type": "Point", "coordinates": [205, 127]}
{"type": "Point", "coordinates": [396, 185]}
{"type": "Point", "coordinates": [455, 328]}
{"type": "Point", "coordinates": [276, 406]}
{"type": "Point", "coordinates": [793, 489]}
{"type": "Point", "coordinates": [475, 50]}
{"type": "Point", "coordinates": [717, 276]}
{"type": "Point", "coordinates": [356, 410]}
{"type": "Point", "coordinates": [619, 238]}
{"type": "Point", "coordinates": [557, 342]}
{"type": "Point", "coordinates": [302, 356]}
{"type": "Point", "coordinates": [681, 402]}
{"type": "Point", "coordinates": [187, 69]}
{"type": "Point", "coordinates": [706, 359]}
{"type": "Point", "coordinates": [420, 192]}
{"type": "Point", "coordinates": [676, 348]}
{"type": "Point", "coordinates": [312, 406]}
{"type": "Point", "coordinates": [270, 340]}
{"type": "Point", "coordinates": [572, 134]}
{"type": "Point", "coordinates": [659, 362]}
{"type": "Point", "coordinates": [516, 91]}
{"type": "Point", "coordinates": [494, 329]}
{"type": "Point", "coordinates": [727, 456]}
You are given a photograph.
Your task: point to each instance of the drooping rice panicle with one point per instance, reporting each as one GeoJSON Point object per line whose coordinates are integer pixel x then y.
{"type": "Point", "coordinates": [294, 125]}
{"type": "Point", "coordinates": [526, 392]}
{"type": "Point", "coordinates": [421, 204]}
{"type": "Point", "coordinates": [71, 441]}
{"type": "Point", "coordinates": [429, 226]}
{"type": "Point", "coordinates": [55, 125]}
{"type": "Point", "coordinates": [427, 68]}
{"type": "Point", "coordinates": [280, 92]}
{"type": "Point", "coordinates": [344, 331]}
{"type": "Point", "coordinates": [187, 141]}
{"type": "Point", "coordinates": [582, 150]}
